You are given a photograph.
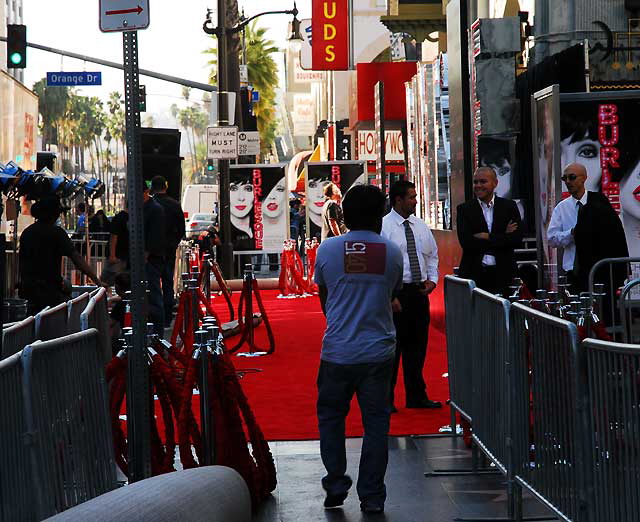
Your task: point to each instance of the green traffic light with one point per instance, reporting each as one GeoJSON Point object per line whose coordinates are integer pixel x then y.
{"type": "Point", "coordinates": [16, 58]}
{"type": "Point", "coordinates": [210, 168]}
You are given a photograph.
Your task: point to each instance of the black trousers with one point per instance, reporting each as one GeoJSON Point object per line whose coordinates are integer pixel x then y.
{"type": "Point", "coordinates": [412, 335]}
{"type": "Point", "coordinates": [488, 280]}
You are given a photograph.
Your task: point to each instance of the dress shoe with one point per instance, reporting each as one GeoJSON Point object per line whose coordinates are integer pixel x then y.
{"type": "Point", "coordinates": [425, 403]}
{"type": "Point", "coordinates": [371, 508]}
{"type": "Point", "coordinates": [335, 501]}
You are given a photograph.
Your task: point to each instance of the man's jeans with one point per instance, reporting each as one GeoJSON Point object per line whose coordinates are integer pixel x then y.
{"type": "Point", "coordinates": [168, 296]}
{"type": "Point", "coordinates": [336, 385]}
{"type": "Point", "coordinates": [153, 269]}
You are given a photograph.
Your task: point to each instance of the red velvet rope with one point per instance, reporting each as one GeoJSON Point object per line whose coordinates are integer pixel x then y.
{"type": "Point", "coordinates": [224, 288]}
{"type": "Point", "coordinates": [245, 318]}
{"type": "Point", "coordinates": [186, 420]}
{"type": "Point", "coordinates": [265, 318]}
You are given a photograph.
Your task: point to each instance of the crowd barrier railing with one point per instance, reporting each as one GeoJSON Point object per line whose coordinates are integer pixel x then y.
{"type": "Point", "coordinates": [66, 410]}
{"type": "Point", "coordinates": [629, 308]}
{"type": "Point", "coordinates": [75, 307]}
{"type": "Point", "coordinates": [458, 321]}
{"type": "Point", "coordinates": [548, 449]}
{"type": "Point", "coordinates": [16, 493]}
{"type": "Point", "coordinates": [610, 390]}
{"type": "Point", "coordinates": [491, 386]}
{"type": "Point", "coordinates": [17, 336]}
{"type": "Point", "coordinates": [52, 322]}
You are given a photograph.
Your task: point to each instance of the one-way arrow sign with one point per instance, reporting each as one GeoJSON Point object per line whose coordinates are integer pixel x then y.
{"type": "Point", "coordinates": [123, 15]}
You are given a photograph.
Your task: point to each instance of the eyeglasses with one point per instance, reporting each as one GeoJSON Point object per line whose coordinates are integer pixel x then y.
{"type": "Point", "coordinates": [569, 177]}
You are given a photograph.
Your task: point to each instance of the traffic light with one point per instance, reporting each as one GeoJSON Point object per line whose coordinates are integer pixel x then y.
{"type": "Point", "coordinates": [16, 46]}
{"type": "Point", "coordinates": [142, 97]}
{"type": "Point", "coordinates": [209, 165]}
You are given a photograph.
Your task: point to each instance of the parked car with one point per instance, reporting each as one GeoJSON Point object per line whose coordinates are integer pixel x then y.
{"type": "Point", "coordinates": [198, 223]}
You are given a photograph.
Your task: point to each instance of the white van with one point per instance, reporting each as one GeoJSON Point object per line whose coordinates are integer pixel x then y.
{"type": "Point", "coordinates": [200, 199]}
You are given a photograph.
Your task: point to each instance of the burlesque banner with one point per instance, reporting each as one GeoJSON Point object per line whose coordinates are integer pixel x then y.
{"type": "Point", "coordinates": [345, 174]}
{"type": "Point", "coordinates": [330, 30]}
{"type": "Point", "coordinates": [601, 132]}
{"type": "Point", "coordinates": [259, 207]}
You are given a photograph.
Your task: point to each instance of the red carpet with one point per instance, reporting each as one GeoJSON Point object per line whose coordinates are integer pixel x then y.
{"type": "Point", "coordinates": [283, 394]}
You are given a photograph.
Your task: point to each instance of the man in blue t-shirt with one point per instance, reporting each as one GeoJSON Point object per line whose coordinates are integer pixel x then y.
{"type": "Point", "coordinates": [357, 274]}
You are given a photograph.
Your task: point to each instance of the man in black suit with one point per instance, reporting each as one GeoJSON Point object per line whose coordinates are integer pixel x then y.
{"type": "Point", "coordinates": [589, 229]}
{"type": "Point", "coordinates": [489, 229]}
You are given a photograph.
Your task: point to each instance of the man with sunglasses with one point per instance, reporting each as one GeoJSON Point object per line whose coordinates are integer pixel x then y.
{"type": "Point", "coordinates": [587, 227]}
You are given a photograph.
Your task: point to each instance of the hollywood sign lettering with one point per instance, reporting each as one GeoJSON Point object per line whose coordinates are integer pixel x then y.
{"type": "Point", "coordinates": [394, 147]}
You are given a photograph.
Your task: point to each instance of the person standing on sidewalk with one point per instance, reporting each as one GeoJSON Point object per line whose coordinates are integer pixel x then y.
{"type": "Point", "coordinates": [174, 222]}
{"type": "Point", "coordinates": [357, 274]}
{"type": "Point", "coordinates": [420, 276]}
{"type": "Point", "coordinates": [332, 214]}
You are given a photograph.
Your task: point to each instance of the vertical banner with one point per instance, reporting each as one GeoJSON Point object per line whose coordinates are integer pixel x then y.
{"type": "Point", "coordinates": [259, 207]}
{"type": "Point", "coordinates": [600, 131]}
{"type": "Point", "coordinates": [545, 116]}
{"type": "Point", "coordinates": [381, 161]}
{"type": "Point", "coordinates": [330, 29]}
{"type": "Point", "coordinates": [345, 174]}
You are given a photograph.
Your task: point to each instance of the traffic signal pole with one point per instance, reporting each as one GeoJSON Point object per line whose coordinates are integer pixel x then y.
{"type": "Point", "coordinates": [223, 165]}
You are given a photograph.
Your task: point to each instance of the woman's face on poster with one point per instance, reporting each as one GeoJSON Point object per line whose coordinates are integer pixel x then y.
{"type": "Point", "coordinates": [630, 193]}
{"type": "Point", "coordinates": [315, 197]}
{"type": "Point", "coordinates": [502, 167]}
{"type": "Point", "coordinates": [273, 204]}
{"type": "Point", "coordinates": [586, 152]}
{"type": "Point", "coordinates": [241, 199]}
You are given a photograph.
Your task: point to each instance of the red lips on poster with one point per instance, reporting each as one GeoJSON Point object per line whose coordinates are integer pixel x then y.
{"type": "Point", "coordinates": [330, 30]}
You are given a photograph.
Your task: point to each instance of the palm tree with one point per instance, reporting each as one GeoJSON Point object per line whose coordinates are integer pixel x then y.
{"type": "Point", "coordinates": [263, 75]}
{"type": "Point", "coordinates": [52, 104]}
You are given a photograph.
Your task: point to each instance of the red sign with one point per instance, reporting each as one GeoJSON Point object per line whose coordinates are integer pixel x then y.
{"type": "Point", "coordinates": [330, 30]}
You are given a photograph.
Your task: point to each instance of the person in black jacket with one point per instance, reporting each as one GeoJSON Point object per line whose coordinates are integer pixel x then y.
{"type": "Point", "coordinates": [155, 251]}
{"type": "Point", "coordinates": [489, 229]}
{"type": "Point", "coordinates": [174, 222]}
{"type": "Point", "coordinates": [587, 227]}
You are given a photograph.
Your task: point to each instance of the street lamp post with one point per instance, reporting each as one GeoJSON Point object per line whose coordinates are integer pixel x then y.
{"type": "Point", "coordinates": [221, 32]}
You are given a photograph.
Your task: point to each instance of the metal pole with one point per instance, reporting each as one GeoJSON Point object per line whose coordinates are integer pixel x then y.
{"type": "Point", "coordinates": [138, 408]}
{"type": "Point", "coordinates": [223, 165]}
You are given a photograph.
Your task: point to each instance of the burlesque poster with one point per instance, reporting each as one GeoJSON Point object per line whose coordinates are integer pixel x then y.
{"type": "Point", "coordinates": [600, 131]}
{"type": "Point", "coordinates": [345, 174]}
{"type": "Point", "coordinates": [259, 207]}
{"type": "Point", "coordinates": [545, 112]}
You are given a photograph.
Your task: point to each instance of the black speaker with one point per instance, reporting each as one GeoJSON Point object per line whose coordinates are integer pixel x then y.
{"type": "Point", "coordinates": [45, 159]}
{"type": "Point", "coordinates": [161, 157]}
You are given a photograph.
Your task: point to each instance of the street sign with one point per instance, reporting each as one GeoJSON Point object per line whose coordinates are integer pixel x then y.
{"type": "Point", "coordinates": [222, 143]}
{"type": "Point", "coordinates": [255, 96]}
{"type": "Point", "coordinates": [244, 74]}
{"type": "Point", "coordinates": [73, 79]}
{"type": "Point", "coordinates": [123, 15]}
{"type": "Point", "coordinates": [249, 143]}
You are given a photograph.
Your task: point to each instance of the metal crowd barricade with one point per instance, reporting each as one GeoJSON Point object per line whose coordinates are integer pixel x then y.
{"type": "Point", "coordinates": [610, 310]}
{"type": "Point", "coordinates": [75, 308]}
{"type": "Point", "coordinates": [16, 493]}
{"type": "Point", "coordinates": [610, 389]}
{"type": "Point", "coordinates": [458, 320]}
{"type": "Point", "coordinates": [66, 408]}
{"type": "Point", "coordinates": [95, 315]}
{"type": "Point", "coordinates": [98, 255]}
{"type": "Point", "coordinates": [548, 449]}
{"type": "Point", "coordinates": [629, 309]}
{"type": "Point", "coordinates": [17, 336]}
{"type": "Point", "coordinates": [52, 322]}
{"type": "Point", "coordinates": [490, 377]}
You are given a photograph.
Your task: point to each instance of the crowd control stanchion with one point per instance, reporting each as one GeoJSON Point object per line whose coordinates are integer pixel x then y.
{"type": "Point", "coordinates": [224, 287]}
{"type": "Point", "coordinates": [201, 350]}
{"type": "Point", "coordinates": [245, 317]}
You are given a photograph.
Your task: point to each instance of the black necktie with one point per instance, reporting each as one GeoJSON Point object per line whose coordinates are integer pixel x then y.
{"type": "Point", "coordinates": [414, 263]}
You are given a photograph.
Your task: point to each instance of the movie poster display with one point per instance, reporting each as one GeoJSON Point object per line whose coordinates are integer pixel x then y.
{"type": "Point", "coordinates": [259, 207]}
{"type": "Point", "coordinates": [601, 132]}
{"type": "Point", "coordinates": [345, 174]}
{"type": "Point", "coordinates": [545, 119]}
{"type": "Point", "coordinates": [499, 154]}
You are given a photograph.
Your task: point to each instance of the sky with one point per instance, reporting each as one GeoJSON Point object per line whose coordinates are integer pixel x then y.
{"type": "Point", "coordinates": [172, 44]}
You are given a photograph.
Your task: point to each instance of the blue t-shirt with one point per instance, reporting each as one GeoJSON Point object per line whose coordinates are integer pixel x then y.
{"type": "Point", "coordinates": [361, 270]}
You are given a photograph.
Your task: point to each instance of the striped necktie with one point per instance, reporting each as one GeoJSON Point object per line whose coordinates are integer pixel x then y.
{"type": "Point", "coordinates": [414, 263]}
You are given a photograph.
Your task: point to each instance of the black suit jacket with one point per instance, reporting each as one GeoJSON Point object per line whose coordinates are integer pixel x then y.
{"type": "Point", "coordinates": [599, 234]}
{"type": "Point", "coordinates": [470, 221]}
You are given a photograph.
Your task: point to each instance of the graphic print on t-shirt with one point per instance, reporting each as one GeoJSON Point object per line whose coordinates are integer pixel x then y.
{"type": "Point", "coordinates": [364, 257]}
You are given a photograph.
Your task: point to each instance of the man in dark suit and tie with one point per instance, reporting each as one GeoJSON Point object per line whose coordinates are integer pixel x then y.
{"type": "Point", "coordinates": [489, 229]}
{"type": "Point", "coordinates": [588, 229]}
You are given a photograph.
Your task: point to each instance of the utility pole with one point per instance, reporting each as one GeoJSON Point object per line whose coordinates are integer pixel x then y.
{"type": "Point", "coordinates": [223, 165]}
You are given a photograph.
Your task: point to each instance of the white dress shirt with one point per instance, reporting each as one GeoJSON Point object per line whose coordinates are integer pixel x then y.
{"type": "Point", "coordinates": [487, 211]}
{"type": "Point", "coordinates": [563, 219]}
{"type": "Point", "coordinates": [426, 248]}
